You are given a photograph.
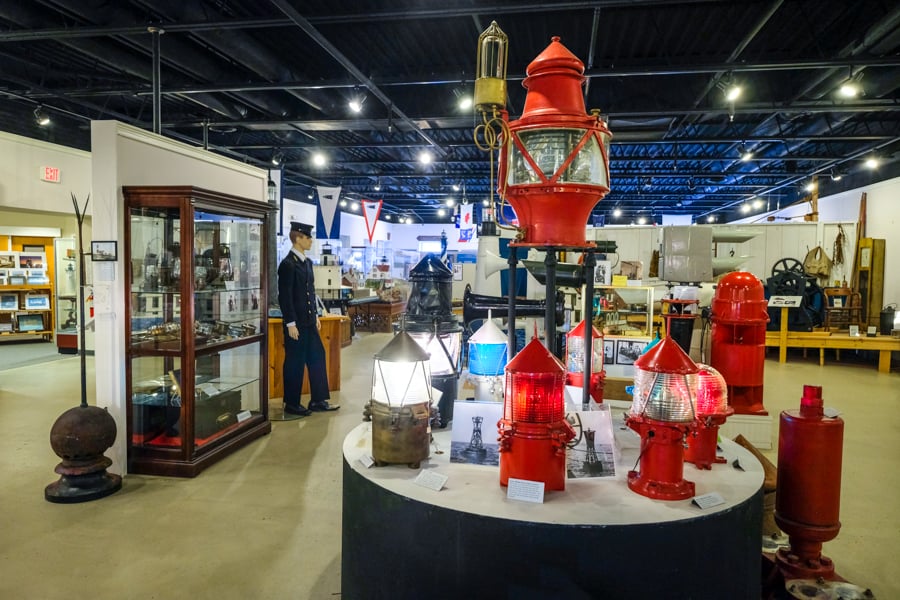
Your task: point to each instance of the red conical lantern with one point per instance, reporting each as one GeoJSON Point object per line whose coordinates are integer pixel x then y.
{"type": "Point", "coordinates": [575, 360]}
{"type": "Point", "coordinates": [663, 414]}
{"type": "Point", "coordinates": [534, 431]}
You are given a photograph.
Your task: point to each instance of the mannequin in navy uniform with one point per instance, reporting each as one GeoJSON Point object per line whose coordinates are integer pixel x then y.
{"type": "Point", "coordinates": [302, 344]}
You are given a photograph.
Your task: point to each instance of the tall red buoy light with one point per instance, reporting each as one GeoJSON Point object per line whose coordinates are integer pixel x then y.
{"type": "Point", "coordinates": [738, 340]}
{"type": "Point", "coordinates": [554, 163]}
{"type": "Point", "coordinates": [534, 431]}
{"type": "Point", "coordinates": [662, 413]}
{"type": "Point", "coordinates": [808, 494]}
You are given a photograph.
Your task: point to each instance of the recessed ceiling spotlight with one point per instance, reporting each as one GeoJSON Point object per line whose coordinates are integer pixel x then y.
{"type": "Point", "coordinates": [617, 212]}
{"type": "Point", "coordinates": [441, 212]}
{"type": "Point", "coordinates": [450, 202]}
{"type": "Point", "coordinates": [319, 159]}
{"type": "Point", "coordinates": [745, 207]}
{"type": "Point", "coordinates": [872, 163]}
{"type": "Point", "coordinates": [354, 206]}
{"type": "Point", "coordinates": [711, 219]}
{"type": "Point", "coordinates": [746, 154]}
{"type": "Point", "coordinates": [642, 220]}
{"type": "Point", "coordinates": [733, 92]}
{"type": "Point", "coordinates": [810, 186]}
{"type": "Point", "coordinates": [387, 217]}
{"type": "Point", "coordinates": [425, 157]}
{"type": "Point", "coordinates": [758, 203]}
{"type": "Point", "coordinates": [343, 203]}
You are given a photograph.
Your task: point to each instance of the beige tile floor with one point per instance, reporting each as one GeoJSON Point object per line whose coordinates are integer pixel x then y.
{"type": "Point", "coordinates": [266, 521]}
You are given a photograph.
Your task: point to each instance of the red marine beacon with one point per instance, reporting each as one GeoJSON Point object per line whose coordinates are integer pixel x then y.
{"type": "Point", "coordinates": [554, 165]}
{"type": "Point", "coordinates": [663, 414]}
{"type": "Point", "coordinates": [576, 359]}
{"type": "Point", "coordinates": [738, 343]}
{"type": "Point", "coordinates": [712, 410]}
{"type": "Point", "coordinates": [534, 431]}
{"type": "Point", "coordinates": [808, 494]}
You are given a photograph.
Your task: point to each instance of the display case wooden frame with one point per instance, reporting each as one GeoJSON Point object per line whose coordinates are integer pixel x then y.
{"type": "Point", "coordinates": [194, 394]}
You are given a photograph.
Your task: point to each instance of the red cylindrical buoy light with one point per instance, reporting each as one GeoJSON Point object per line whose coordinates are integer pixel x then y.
{"type": "Point", "coordinates": [575, 360]}
{"type": "Point", "coordinates": [534, 431]}
{"type": "Point", "coordinates": [663, 414]}
{"type": "Point", "coordinates": [808, 494]}
{"type": "Point", "coordinates": [738, 340]}
{"type": "Point", "coordinates": [554, 164]}
{"type": "Point", "coordinates": [712, 410]}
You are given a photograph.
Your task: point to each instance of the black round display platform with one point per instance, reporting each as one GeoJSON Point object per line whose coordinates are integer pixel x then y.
{"type": "Point", "coordinates": [596, 539]}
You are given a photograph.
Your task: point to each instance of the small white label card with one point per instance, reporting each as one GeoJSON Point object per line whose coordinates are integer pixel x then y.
{"type": "Point", "coordinates": [430, 479]}
{"type": "Point", "coordinates": [243, 416]}
{"type": "Point", "coordinates": [366, 460]}
{"type": "Point", "coordinates": [209, 389]}
{"type": "Point", "coordinates": [708, 500]}
{"type": "Point", "coordinates": [525, 490]}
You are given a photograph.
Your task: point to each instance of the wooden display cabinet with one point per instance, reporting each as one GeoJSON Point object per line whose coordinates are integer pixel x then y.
{"type": "Point", "coordinates": [196, 374]}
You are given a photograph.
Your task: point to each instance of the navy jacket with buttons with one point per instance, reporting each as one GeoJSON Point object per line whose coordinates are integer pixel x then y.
{"type": "Point", "coordinates": [297, 291]}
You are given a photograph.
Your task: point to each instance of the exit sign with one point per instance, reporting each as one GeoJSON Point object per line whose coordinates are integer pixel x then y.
{"type": "Point", "coordinates": [50, 174]}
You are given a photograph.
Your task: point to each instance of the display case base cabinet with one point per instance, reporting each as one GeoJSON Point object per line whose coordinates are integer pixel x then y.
{"type": "Point", "coordinates": [202, 457]}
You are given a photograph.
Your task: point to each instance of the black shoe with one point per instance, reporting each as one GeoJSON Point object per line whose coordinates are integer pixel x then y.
{"type": "Point", "coordinates": [300, 411]}
{"type": "Point", "coordinates": [323, 406]}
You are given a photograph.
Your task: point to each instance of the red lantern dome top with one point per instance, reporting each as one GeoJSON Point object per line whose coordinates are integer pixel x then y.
{"type": "Point", "coordinates": [535, 358]}
{"type": "Point", "coordinates": [554, 83]}
{"type": "Point", "coordinates": [740, 297]}
{"type": "Point", "coordinates": [666, 357]}
{"type": "Point", "coordinates": [578, 331]}
{"type": "Point", "coordinates": [712, 393]}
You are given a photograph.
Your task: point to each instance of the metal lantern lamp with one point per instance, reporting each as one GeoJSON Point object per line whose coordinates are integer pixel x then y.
{"type": "Point", "coordinates": [488, 351]}
{"type": "Point", "coordinates": [554, 164]}
{"type": "Point", "coordinates": [431, 323]}
{"type": "Point", "coordinates": [738, 340]}
{"type": "Point", "coordinates": [663, 414]}
{"type": "Point", "coordinates": [400, 407]}
{"type": "Point", "coordinates": [534, 431]}
{"type": "Point", "coordinates": [712, 410]}
{"type": "Point", "coordinates": [579, 358]}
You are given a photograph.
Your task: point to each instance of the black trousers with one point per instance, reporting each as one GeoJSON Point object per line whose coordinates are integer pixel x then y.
{"type": "Point", "coordinates": [306, 351]}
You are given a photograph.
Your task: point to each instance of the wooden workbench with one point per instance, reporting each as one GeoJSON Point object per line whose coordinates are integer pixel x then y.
{"type": "Point", "coordinates": [784, 339]}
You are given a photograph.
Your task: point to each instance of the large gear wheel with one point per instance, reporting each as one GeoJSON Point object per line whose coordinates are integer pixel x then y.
{"type": "Point", "coordinates": [788, 265]}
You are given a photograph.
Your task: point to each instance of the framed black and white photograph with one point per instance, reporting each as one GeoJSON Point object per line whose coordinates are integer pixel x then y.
{"type": "Point", "coordinates": [593, 453]}
{"type": "Point", "coordinates": [32, 249]}
{"type": "Point", "coordinates": [603, 272]}
{"type": "Point", "coordinates": [8, 261]}
{"type": "Point", "coordinates": [104, 251]}
{"type": "Point", "coordinates": [609, 352]}
{"type": "Point", "coordinates": [628, 351]}
{"type": "Point", "coordinates": [37, 302]}
{"type": "Point", "coordinates": [474, 435]}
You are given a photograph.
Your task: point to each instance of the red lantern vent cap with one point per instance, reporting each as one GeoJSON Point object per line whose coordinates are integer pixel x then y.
{"type": "Point", "coordinates": [578, 331]}
{"type": "Point", "coordinates": [535, 358]}
{"type": "Point", "coordinates": [666, 357]}
{"type": "Point", "coordinates": [555, 56]}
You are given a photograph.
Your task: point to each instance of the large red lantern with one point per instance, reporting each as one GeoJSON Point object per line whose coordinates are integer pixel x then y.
{"type": "Point", "coordinates": [712, 410]}
{"type": "Point", "coordinates": [738, 340]}
{"type": "Point", "coordinates": [534, 431]}
{"type": "Point", "coordinates": [663, 415]}
{"type": "Point", "coordinates": [554, 163]}
{"type": "Point", "coordinates": [808, 495]}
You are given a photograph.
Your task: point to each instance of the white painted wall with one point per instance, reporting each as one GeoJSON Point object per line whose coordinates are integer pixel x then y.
{"type": "Point", "coordinates": [21, 187]}
{"type": "Point", "coordinates": [125, 155]}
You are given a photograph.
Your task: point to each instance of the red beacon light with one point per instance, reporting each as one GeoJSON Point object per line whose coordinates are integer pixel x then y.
{"type": "Point", "coordinates": [712, 410]}
{"type": "Point", "coordinates": [663, 414]}
{"type": "Point", "coordinates": [575, 360]}
{"type": "Point", "coordinates": [554, 164]}
{"type": "Point", "coordinates": [534, 431]}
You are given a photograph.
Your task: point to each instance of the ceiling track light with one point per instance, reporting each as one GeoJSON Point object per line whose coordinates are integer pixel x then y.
{"type": "Point", "coordinates": [356, 101]}
{"type": "Point", "coordinates": [41, 117]}
{"type": "Point", "coordinates": [850, 87]}
{"type": "Point", "coordinates": [746, 154]}
{"type": "Point", "coordinates": [277, 157]}
{"type": "Point", "coordinates": [377, 186]}
{"type": "Point", "coordinates": [836, 175]}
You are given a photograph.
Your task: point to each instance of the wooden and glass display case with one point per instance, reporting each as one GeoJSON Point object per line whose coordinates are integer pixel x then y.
{"type": "Point", "coordinates": [66, 295]}
{"type": "Point", "coordinates": [625, 316]}
{"type": "Point", "coordinates": [196, 330]}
